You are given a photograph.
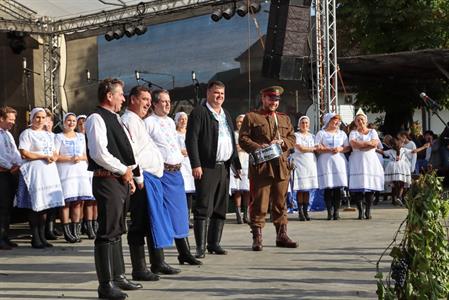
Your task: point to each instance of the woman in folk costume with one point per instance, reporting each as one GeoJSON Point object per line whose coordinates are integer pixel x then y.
{"type": "Point", "coordinates": [186, 170]}
{"type": "Point", "coordinates": [305, 173]}
{"type": "Point", "coordinates": [366, 174]}
{"type": "Point", "coordinates": [240, 186]}
{"type": "Point", "coordinates": [332, 143]}
{"type": "Point", "coordinates": [39, 184]}
{"type": "Point", "coordinates": [75, 179]}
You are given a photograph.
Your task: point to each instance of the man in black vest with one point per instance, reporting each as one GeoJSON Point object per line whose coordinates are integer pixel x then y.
{"type": "Point", "coordinates": [211, 147]}
{"type": "Point", "coordinates": [111, 158]}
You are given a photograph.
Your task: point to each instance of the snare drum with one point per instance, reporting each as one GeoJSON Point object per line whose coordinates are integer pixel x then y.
{"type": "Point", "coordinates": [265, 154]}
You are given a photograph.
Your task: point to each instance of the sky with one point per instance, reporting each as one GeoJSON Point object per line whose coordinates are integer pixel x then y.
{"type": "Point", "coordinates": [178, 48]}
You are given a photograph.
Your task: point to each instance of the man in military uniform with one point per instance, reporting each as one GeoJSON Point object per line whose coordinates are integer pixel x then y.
{"type": "Point", "coordinates": [268, 180]}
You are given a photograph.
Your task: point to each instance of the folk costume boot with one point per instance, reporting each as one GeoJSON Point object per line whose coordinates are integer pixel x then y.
{"type": "Point", "coordinates": [368, 201]}
{"type": "Point", "coordinates": [359, 200]}
{"type": "Point", "coordinates": [42, 235]}
{"type": "Point", "coordinates": [107, 288]}
{"type": "Point", "coordinates": [50, 228]}
{"type": "Point", "coordinates": [76, 231]}
{"type": "Point", "coordinates": [140, 270]}
{"type": "Point", "coordinates": [214, 237]}
{"type": "Point", "coordinates": [6, 220]}
{"type": "Point", "coordinates": [336, 205]}
{"type": "Point", "coordinates": [305, 206]}
{"type": "Point", "coordinates": [200, 231]}
{"type": "Point", "coordinates": [282, 239]}
{"type": "Point", "coordinates": [118, 268]}
{"type": "Point", "coordinates": [257, 238]}
{"type": "Point", "coordinates": [328, 208]}
{"type": "Point", "coordinates": [301, 216]}
{"type": "Point", "coordinates": [90, 229]}
{"type": "Point", "coordinates": [157, 260]}
{"type": "Point", "coordinates": [238, 215]}
{"type": "Point", "coordinates": [245, 215]}
{"type": "Point", "coordinates": [4, 245]}
{"type": "Point", "coordinates": [68, 236]}
{"type": "Point", "coordinates": [184, 252]}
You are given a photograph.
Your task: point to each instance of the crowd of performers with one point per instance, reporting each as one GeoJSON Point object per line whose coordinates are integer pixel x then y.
{"type": "Point", "coordinates": [104, 165]}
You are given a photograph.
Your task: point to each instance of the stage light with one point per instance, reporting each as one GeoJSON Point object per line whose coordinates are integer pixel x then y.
{"type": "Point", "coordinates": [109, 36]}
{"type": "Point", "coordinates": [242, 10]}
{"type": "Point", "coordinates": [140, 29]}
{"type": "Point", "coordinates": [254, 8]}
{"type": "Point", "coordinates": [129, 30]}
{"type": "Point", "coordinates": [118, 33]}
{"type": "Point", "coordinates": [228, 13]}
{"type": "Point", "coordinates": [216, 15]}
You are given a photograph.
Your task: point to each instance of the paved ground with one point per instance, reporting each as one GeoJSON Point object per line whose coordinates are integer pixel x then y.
{"type": "Point", "coordinates": [335, 260]}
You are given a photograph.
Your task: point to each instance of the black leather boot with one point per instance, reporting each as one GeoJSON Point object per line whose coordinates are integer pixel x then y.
{"type": "Point", "coordinates": [76, 231]}
{"type": "Point", "coordinates": [104, 266]}
{"type": "Point", "coordinates": [42, 235]}
{"type": "Point", "coordinates": [328, 195]}
{"type": "Point", "coordinates": [118, 268]}
{"type": "Point", "coordinates": [368, 203]}
{"type": "Point", "coordinates": [301, 216]}
{"type": "Point", "coordinates": [184, 252]}
{"type": "Point", "coordinates": [305, 206]}
{"type": "Point", "coordinates": [140, 270]}
{"type": "Point", "coordinates": [336, 204]}
{"type": "Point", "coordinates": [158, 264]}
{"type": "Point", "coordinates": [214, 237]}
{"type": "Point", "coordinates": [358, 200]}
{"type": "Point", "coordinates": [90, 230]}
{"type": "Point", "coordinates": [238, 215]}
{"type": "Point", "coordinates": [200, 231]}
{"type": "Point", "coordinates": [50, 228]}
{"type": "Point", "coordinates": [68, 236]}
{"type": "Point", "coordinates": [4, 245]}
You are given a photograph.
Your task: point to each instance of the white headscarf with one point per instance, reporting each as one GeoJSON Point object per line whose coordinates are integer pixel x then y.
{"type": "Point", "coordinates": [327, 117]}
{"type": "Point", "coordinates": [178, 115]}
{"type": "Point", "coordinates": [302, 118]}
{"type": "Point", "coordinates": [68, 114]}
{"type": "Point", "coordinates": [34, 111]}
{"type": "Point", "coordinates": [81, 117]}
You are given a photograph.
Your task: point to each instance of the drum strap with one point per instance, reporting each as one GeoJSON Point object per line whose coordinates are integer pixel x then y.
{"type": "Point", "coordinates": [276, 126]}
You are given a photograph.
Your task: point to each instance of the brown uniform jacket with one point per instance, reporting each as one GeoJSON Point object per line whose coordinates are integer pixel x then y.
{"type": "Point", "coordinates": [258, 128]}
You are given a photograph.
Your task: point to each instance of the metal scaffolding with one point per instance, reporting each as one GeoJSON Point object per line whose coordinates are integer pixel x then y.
{"type": "Point", "coordinates": [326, 77]}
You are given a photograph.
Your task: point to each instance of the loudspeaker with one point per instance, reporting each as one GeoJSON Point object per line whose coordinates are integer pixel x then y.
{"type": "Point", "coordinates": [286, 43]}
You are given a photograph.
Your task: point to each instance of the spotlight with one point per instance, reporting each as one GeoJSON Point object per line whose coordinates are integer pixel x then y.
{"type": "Point", "coordinates": [118, 33]}
{"type": "Point", "coordinates": [216, 15]}
{"type": "Point", "coordinates": [242, 10]}
{"type": "Point", "coordinates": [254, 8]}
{"type": "Point", "coordinates": [140, 29]}
{"type": "Point", "coordinates": [17, 41]}
{"type": "Point", "coordinates": [129, 30]}
{"type": "Point", "coordinates": [228, 13]}
{"type": "Point", "coordinates": [109, 36]}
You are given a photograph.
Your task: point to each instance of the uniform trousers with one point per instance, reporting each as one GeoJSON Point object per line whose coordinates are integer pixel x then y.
{"type": "Point", "coordinates": [212, 193]}
{"type": "Point", "coordinates": [263, 191]}
{"type": "Point", "coordinates": [112, 197]}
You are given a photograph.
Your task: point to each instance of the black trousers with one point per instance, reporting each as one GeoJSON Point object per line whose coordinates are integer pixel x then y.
{"type": "Point", "coordinates": [112, 201]}
{"type": "Point", "coordinates": [140, 220]}
{"type": "Point", "coordinates": [8, 189]}
{"type": "Point", "coordinates": [212, 193]}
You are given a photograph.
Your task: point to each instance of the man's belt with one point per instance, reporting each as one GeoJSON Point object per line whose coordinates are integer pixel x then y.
{"type": "Point", "coordinates": [105, 173]}
{"type": "Point", "coordinates": [172, 168]}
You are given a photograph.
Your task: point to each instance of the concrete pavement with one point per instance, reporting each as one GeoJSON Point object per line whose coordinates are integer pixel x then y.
{"type": "Point", "coordinates": [335, 260]}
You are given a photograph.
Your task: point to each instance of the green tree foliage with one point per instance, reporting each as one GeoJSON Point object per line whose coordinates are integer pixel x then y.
{"type": "Point", "coordinates": [387, 26]}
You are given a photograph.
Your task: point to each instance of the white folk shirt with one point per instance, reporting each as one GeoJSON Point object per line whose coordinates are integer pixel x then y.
{"type": "Point", "coordinates": [9, 155]}
{"type": "Point", "coordinates": [224, 145]}
{"type": "Point", "coordinates": [163, 132]}
{"type": "Point", "coordinates": [147, 154]}
{"type": "Point", "coordinates": [97, 142]}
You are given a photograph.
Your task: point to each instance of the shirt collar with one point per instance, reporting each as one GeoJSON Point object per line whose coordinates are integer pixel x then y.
{"type": "Point", "coordinates": [213, 111]}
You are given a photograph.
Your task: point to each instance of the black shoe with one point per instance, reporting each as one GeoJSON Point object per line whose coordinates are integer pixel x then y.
{"type": "Point", "coordinates": [76, 231]}
{"type": "Point", "coordinates": [90, 230]}
{"type": "Point", "coordinates": [42, 236]}
{"type": "Point", "coordinates": [158, 264]}
{"type": "Point", "coordinates": [35, 238]}
{"type": "Point", "coordinates": [200, 231]}
{"type": "Point", "coordinates": [11, 243]}
{"type": "Point", "coordinates": [49, 231]}
{"type": "Point", "coordinates": [214, 237]}
{"type": "Point", "coordinates": [184, 252]}
{"type": "Point", "coordinates": [4, 245]}
{"type": "Point", "coordinates": [304, 210]}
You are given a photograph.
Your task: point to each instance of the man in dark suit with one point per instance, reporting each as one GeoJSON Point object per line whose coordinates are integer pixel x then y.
{"type": "Point", "coordinates": [212, 150]}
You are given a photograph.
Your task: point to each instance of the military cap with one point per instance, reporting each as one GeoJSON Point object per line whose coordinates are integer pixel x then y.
{"type": "Point", "coordinates": [274, 92]}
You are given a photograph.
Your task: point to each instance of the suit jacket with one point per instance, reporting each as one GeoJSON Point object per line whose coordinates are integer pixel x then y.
{"type": "Point", "coordinates": [202, 139]}
{"type": "Point", "coordinates": [259, 128]}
